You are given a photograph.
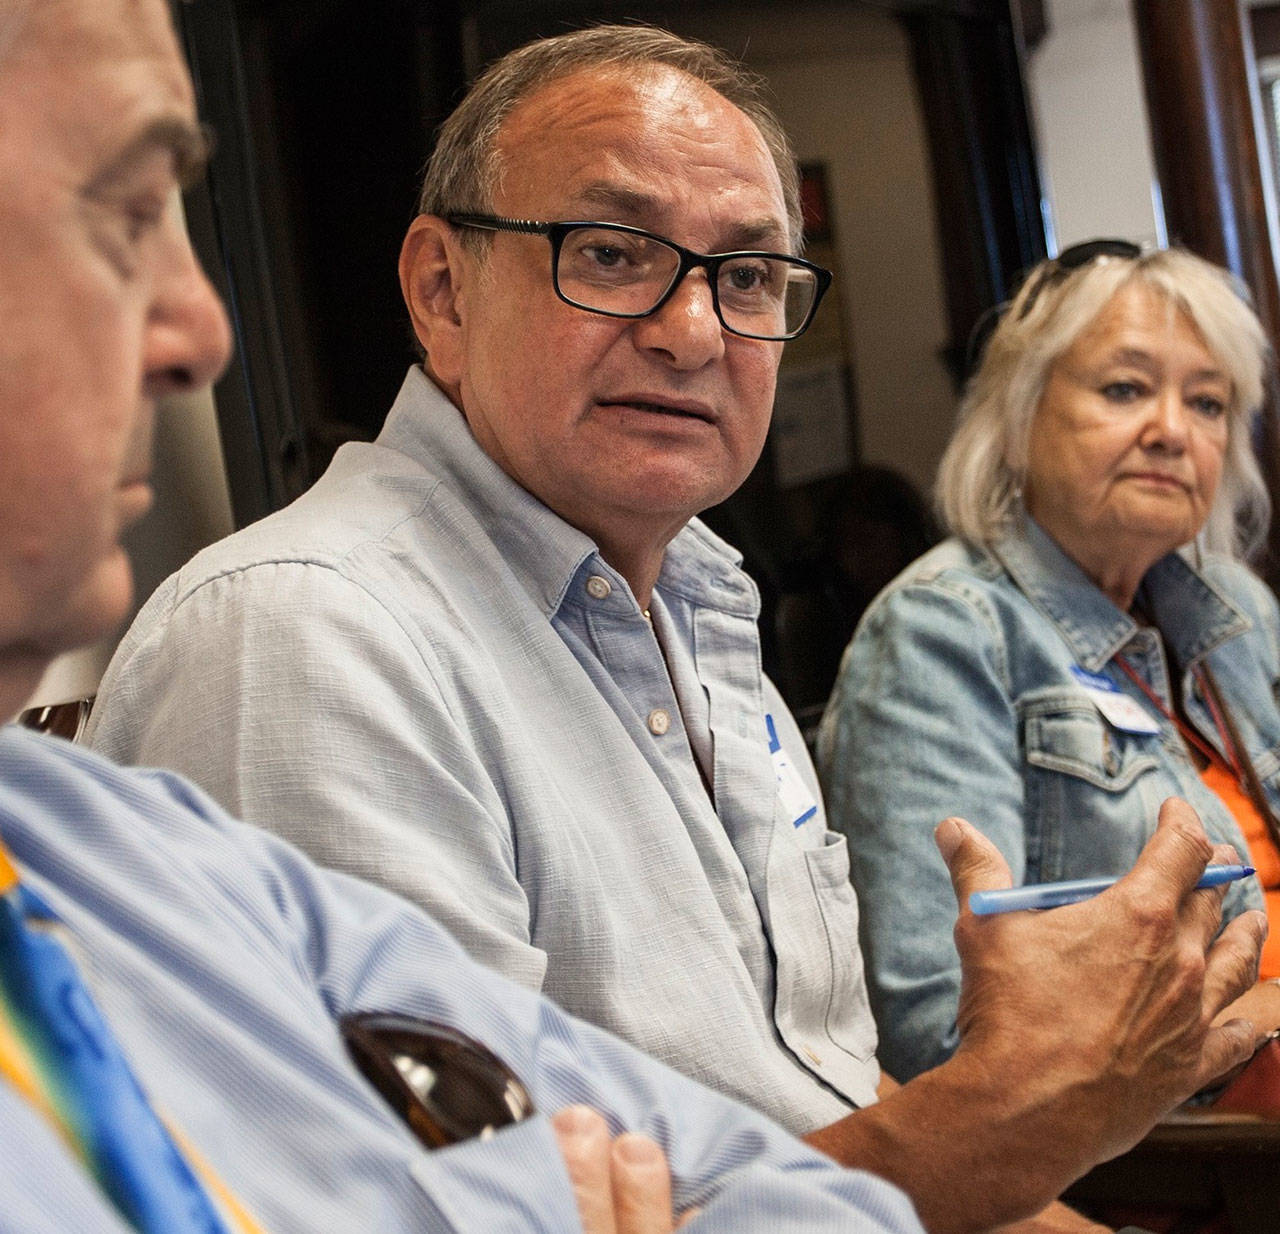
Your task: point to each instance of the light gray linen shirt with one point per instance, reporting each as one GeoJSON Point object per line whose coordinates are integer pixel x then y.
{"type": "Point", "coordinates": [421, 675]}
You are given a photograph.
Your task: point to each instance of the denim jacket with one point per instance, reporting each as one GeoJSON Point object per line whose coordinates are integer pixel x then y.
{"type": "Point", "coordinates": [958, 696]}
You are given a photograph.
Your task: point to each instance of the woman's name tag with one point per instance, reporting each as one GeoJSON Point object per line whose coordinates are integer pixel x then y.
{"type": "Point", "coordinates": [1119, 710]}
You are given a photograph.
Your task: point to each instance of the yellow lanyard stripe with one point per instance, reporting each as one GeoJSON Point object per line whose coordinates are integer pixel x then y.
{"type": "Point", "coordinates": [8, 873]}
{"type": "Point", "coordinates": [17, 1068]}
{"type": "Point", "coordinates": [221, 1191]}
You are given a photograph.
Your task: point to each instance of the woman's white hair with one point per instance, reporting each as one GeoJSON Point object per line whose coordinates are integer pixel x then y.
{"type": "Point", "coordinates": [980, 478]}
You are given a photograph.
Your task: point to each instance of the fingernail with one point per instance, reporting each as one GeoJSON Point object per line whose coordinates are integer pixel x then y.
{"type": "Point", "coordinates": [947, 836]}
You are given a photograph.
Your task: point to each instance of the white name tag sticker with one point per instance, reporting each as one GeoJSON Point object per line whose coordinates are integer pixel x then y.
{"type": "Point", "coordinates": [793, 792]}
{"type": "Point", "coordinates": [1119, 710]}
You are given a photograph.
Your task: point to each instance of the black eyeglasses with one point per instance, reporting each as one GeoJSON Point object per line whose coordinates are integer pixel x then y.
{"type": "Point", "coordinates": [622, 271]}
{"type": "Point", "coordinates": [446, 1087]}
{"type": "Point", "coordinates": [1072, 259]}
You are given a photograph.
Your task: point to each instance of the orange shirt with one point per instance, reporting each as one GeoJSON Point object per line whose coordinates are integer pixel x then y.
{"type": "Point", "coordinates": [1263, 854]}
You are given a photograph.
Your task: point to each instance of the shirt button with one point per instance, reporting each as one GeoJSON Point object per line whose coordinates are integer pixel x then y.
{"type": "Point", "coordinates": [598, 588]}
{"type": "Point", "coordinates": [659, 721]}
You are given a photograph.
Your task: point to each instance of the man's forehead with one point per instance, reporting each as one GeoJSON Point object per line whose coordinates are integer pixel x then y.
{"type": "Point", "coordinates": [632, 98]}
{"type": "Point", "coordinates": [80, 32]}
{"type": "Point", "coordinates": [110, 78]}
{"type": "Point", "coordinates": [629, 138]}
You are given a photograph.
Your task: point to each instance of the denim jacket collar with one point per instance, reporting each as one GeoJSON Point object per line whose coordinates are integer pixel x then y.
{"type": "Point", "coordinates": [1193, 615]}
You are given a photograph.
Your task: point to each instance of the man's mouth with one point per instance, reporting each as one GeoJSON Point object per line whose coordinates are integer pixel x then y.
{"type": "Point", "coordinates": [679, 409]}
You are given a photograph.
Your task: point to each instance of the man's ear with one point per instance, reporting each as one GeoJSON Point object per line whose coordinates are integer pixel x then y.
{"type": "Point", "coordinates": [433, 266]}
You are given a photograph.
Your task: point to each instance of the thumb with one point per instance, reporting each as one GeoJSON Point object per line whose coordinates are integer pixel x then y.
{"type": "Point", "coordinates": [975, 864]}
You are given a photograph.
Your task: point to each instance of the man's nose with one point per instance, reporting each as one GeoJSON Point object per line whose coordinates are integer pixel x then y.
{"type": "Point", "coordinates": [188, 335]}
{"type": "Point", "coordinates": [685, 329]}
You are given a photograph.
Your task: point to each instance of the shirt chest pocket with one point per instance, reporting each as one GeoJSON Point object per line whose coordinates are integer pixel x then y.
{"type": "Point", "coordinates": [1090, 788]}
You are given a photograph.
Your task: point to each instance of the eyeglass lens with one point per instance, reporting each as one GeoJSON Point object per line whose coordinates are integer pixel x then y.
{"type": "Point", "coordinates": [445, 1086]}
{"type": "Point", "coordinates": [622, 273]}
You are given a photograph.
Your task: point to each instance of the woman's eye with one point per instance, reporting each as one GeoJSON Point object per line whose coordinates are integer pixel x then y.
{"type": "Point", "coordinates": [1209, 405]}
{"type": "Point", "coordinates": [1121, 391]}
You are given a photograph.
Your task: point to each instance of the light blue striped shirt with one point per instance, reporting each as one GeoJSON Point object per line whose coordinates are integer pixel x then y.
{"type": "Point", "coordinates": [222, 958]}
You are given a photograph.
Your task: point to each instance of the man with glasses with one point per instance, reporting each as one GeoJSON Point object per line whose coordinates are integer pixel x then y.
{"type": "Point", "coordinates": [494, 661]}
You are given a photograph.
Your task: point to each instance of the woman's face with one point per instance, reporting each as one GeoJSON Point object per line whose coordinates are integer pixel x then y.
{"type": "Point", "coordinates": [1127, 444]}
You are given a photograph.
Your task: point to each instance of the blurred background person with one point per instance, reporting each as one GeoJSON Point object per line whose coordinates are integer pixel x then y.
{"type": "Point", "coordinates": [1089, 642]}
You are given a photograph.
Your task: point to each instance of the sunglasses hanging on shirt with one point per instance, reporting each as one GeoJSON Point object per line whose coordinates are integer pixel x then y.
{"type": "Point", "coordinates": [446, 1087]}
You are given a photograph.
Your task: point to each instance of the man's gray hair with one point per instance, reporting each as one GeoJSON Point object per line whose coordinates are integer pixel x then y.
{"type": "Point", "coordinates": [464, 170]}
{"type": "Point", "coordinates": [980, 478]}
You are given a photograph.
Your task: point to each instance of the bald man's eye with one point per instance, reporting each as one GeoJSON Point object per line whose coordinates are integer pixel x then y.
{"type": "Point", "coordinates": [123, 226]}
{"type": "Point", "coordinates": [140, 216]}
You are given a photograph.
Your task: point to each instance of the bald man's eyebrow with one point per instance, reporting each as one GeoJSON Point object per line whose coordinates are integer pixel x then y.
{"type": "Point", "coordinates": [627, 205]}
{"type": "Point", "coordinates": [189, 145]}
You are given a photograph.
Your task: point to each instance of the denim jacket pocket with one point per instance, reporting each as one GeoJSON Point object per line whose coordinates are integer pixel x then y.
{"type": "Point", "coordinates": [1090, 791]}
{"type": "Point", "coordinates": [1063, 731]}
{"type": "Point", "coordinates": [849, 1022]}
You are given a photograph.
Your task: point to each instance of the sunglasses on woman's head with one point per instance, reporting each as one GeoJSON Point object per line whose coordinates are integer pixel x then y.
{"type": "Point", "coordinates": [1066, 263]}
{"type": "Point", "coordinates": [1074, 258]}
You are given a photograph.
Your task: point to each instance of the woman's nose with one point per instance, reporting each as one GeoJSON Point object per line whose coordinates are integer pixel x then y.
{"type": "Point", "coordinates": [1168, 424]}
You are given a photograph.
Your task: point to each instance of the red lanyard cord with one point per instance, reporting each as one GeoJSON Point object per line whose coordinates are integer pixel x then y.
{"type": "Point", "coordinates": [1188, 733]}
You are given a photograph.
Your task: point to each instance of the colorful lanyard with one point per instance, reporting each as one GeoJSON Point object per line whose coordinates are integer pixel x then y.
{"type": "Point", "coordinates": [59, 1054]}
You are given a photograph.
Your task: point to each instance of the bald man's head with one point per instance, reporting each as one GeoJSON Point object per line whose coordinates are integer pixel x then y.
{"type": "Point", "coordinates": [13, 17]}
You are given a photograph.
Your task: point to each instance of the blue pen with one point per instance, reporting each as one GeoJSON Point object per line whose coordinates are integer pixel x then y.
{"type": "Point", "coordinates": [1054, 895]}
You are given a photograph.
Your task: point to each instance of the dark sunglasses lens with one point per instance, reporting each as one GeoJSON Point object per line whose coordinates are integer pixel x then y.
{"type": "Point", "coordinates": [1082, 254]}
{"type": "Point", "coordinates": [445, 1086]}
{"type": "Point", "coordinates": [1072, 259]}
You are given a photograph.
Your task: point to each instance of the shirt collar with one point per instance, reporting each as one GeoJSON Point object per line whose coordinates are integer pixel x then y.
{"type": "Point", "coordinates": [1193, 615]}
{"type": "Point", "coordinates": [544, 552]}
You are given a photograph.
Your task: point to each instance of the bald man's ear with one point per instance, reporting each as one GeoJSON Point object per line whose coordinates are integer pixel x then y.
{"type": "Point", "coordinates": [433, 268]}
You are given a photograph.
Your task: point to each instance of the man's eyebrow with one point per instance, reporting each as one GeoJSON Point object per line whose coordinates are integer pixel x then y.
{"type": "Point", "coordinates": [627, 205]}
{"type": "Point", "coordinates": [190, 145]}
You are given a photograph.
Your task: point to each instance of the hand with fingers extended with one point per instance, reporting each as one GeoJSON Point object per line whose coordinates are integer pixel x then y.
{"type": "Point", "coordinates": [1080, 1027]}
{"type": "Point", "coordinates": [622, 1184]}
{"type": "Point", "coordinates": [1095, 1019]}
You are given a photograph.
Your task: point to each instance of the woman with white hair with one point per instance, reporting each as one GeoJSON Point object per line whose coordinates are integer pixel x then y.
{"type": "Point", "coordinates": [1089, 642]}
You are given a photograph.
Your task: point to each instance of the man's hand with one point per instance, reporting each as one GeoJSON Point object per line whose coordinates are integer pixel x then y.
{"type": "Point", "coordinates": [622, 1185]}
{"type": "Point", "coordinates": [1081, 1026]}
{"type": "Point", "coordinates": [1102, 1013]}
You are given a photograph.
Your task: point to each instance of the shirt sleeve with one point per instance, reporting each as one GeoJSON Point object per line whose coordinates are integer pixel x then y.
{"type": "Point", "coordinates": [921, 726]}
{"type": "Point", "coordinates": [301, 704]}
{"type": "Point", "coordinates": [369, 950]}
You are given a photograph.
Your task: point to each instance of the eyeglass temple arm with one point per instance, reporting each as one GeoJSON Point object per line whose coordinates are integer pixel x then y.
{"type": "Point", "coordinates": [486, 222]}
